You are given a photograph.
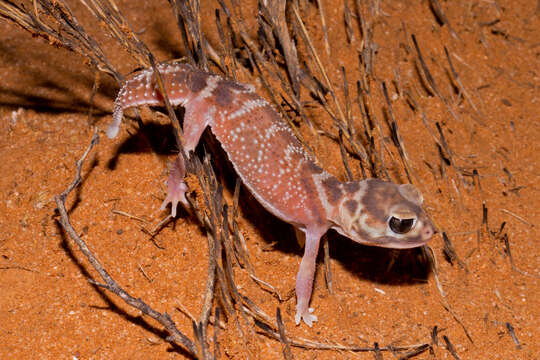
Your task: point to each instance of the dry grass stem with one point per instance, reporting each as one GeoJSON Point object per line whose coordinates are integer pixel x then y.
{"type": "Point", "coordinates": [110, 284]}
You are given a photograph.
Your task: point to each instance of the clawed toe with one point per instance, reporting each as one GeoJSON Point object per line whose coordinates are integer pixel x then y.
{"type": "Point", "coordinates": [175, 195]}
{"type": "Point", "coordinates": [306, 316]}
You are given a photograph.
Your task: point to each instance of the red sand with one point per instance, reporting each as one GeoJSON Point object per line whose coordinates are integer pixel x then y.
{"type": "Point", "coordinates": [49, 310]}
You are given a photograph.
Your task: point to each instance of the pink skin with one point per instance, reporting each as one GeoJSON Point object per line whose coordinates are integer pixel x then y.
{"type": "Point", "coordinates": [177, 188]}
{"type": "Point", "coordinates": [304, 278]}
{"type": "Point", "coordinates": [275, 168]}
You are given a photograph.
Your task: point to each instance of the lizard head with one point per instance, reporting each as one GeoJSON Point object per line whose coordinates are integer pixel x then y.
{"type": "Point", "coordinates": [383, 214]}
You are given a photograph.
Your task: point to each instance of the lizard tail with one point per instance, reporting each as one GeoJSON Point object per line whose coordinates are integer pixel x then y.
{"type": "Point", "coordinates": [114, 127]}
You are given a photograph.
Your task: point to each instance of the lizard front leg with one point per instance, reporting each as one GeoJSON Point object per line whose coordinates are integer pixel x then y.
{"type": "Point", "coordinates": [176, 187]}
{"type": "Point", "coordinates": [305, 277]}
{"type": "Point", "coordinates": [196, 119]}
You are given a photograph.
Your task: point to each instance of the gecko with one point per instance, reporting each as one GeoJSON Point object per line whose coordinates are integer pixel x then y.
{"type": "Point", "coordinates": [274, 166]}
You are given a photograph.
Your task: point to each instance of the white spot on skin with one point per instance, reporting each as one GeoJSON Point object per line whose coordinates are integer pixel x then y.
{"type": "Point", "coordinates": [247, 107]}
{"type": "Point", "coordinates": [271, 163]}
{"type": "Point", "coordinates": [252, 151]}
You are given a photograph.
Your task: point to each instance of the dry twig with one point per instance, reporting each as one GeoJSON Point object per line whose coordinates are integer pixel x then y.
{"type": "Point", "coordinates": [110, 284]}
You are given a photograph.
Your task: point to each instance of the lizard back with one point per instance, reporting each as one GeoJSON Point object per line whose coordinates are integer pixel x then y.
{"type": "Point", "coordinates": [271, 161]}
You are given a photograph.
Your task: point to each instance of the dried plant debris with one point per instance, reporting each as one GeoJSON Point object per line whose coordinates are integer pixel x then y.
{"type": "Point", "coordinates": [110, 284]}
{"type": "Point", "coordinates": [285, 58]}
{"type": "Point", "coordinates": [274, 13]}
{"type": "Point", "coordinates": [287, 354]}
{"type": "Point", "coordinates": [450, 253]}
{"type": "Point", "coordinates": [441, 17]}
{"type": "Point", "coordinates": [512, 333]}
{"type": "Point", "coordinates": [450, 347]}
{"type": "Point", "coordinates": [55, 22]}
{"type": "Point", "coordinates": [430, 81]}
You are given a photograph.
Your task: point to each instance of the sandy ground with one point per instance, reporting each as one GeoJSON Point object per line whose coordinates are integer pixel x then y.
{"type": "Point", "coordinates": [49, 310]}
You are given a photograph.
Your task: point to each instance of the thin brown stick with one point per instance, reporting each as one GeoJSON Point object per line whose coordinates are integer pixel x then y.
{"type": "Point", "coordinates": [431, 81]}
{"type": "Point", "coordinates": [128, 215]}
{"type": "Point", "coordinates": [347, 19]}
{"type": "Point", "coordinates": [324, 28]}
{"type": "Point", "coordinates": [512, 333]}
{"type": "Point", "coordinates": [17, 267]}
{"type": "Point", "coordinates": [110, 284]}
{"type": "Point", "coordinates": [210, 283]}
{"type": "Point", "coordinates": [419, 350]}
{"type": "Point", "coordinates": [517, 217]}
{"type": "Point", "coordinates": [119, 28]}
{"type": "Point", "coordinates": [344, 157]}
{"type": "Point", "coordinates": [439, 13]}
{"type": "Point", "coordinates": [229, 64]}
{"type": "Point", "coordinates": [458, 82]}
{"type": "Point", "coordinates": [274, 12]}
{"type": "Point", "coordinates": [342, 123]}
{"type": "Point", "coordinates": [286, 347]}
{"type": "Point", "coordinates": [450, 347]}
{"type": "Point", "coordinates": [65, 30]}
{"type": "Point", "coordinates": [447, 307]}
{"type": "Point", "coordinates": [327, 267]}
{"type": "Point", "coordinates": [451, 254]}
{"type": "Point", "coordinates": [311, 344]}
{"type": "Point", "coordinates": [396, 137]}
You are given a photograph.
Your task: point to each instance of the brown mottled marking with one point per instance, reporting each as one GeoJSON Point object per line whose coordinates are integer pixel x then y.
{"type": "Point", "coordinates": [275, 167]}
{"type": "Point", "coordinates": [351, 186]}
{"type": "Point", "coordinates": [374, 221]}
{"type": "Point", "coordinates": [351, 206]}
{"type": "Point", "coordinates": [373, 200]}
{"type": "Point", "coordinates": [333, 190]}
{"type": "Point", "coordinates": [312, 200]}
{"type": "Point", "coordinates": [197, 81]}
{"type": "Point", "coordinates": [223, 94]}
{"type": "Point", "coordinates": [314, 168]}
{"type": "Point", "coordinates": [379, 197]}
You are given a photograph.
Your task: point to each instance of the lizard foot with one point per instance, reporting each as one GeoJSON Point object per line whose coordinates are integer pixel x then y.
{"type": "Point", "coordinates": [176, 187]}
{"type": "Point", "coordinates": [306, 315]}
{"type": "Point", "coordinates": [175, 194]}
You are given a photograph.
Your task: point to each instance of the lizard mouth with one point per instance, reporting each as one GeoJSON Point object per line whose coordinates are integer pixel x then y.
{"type": "Point", "coordinates": [385, 241]}
{"type": "Point", "coordinates": [396, 243]}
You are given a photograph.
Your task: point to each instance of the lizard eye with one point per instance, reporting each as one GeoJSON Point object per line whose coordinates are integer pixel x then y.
{"type": "Point", "coordinates": [400, 226]}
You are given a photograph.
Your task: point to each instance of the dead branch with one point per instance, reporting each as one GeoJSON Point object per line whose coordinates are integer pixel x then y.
{"type": "Point", "coordinates": [64, 31]}
{"type": "Point", "coordinates": [110, 284]}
